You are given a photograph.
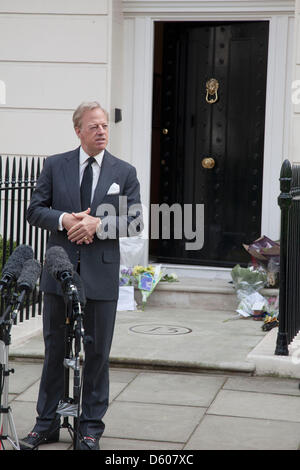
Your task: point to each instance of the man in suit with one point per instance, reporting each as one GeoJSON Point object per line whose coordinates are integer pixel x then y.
{"type": "Point", "coordinates": [77, 198]}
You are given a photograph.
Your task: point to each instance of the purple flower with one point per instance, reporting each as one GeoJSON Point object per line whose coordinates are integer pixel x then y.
{"type": "Point", "coordinates": [123, 281]}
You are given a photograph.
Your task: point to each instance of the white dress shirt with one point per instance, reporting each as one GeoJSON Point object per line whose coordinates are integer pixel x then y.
{"type": "Point", "coordinates": [96, 167]}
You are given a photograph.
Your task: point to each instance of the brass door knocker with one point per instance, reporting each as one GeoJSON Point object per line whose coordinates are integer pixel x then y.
{"type": "Point", "coordinates": [212, 86]}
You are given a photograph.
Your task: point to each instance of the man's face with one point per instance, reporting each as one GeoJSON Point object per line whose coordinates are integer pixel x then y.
{"type": "Point", "coordinates": [93, 132]}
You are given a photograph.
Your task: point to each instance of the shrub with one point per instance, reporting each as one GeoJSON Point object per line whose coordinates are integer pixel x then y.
{"type": "Point", "coordinates": [7, 251]}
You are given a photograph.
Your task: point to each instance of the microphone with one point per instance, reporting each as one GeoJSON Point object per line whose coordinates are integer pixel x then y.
{"type": "Point", "coordinates": [59, 266]}
{"type": "Point", "coordinates": [13, 267]}
{"type": "Point", "coordinates": [29, 275]}
{"type": "Point", "coordinates": [25, 284]}
{"type": "Point", "coordinates": [61, 269]}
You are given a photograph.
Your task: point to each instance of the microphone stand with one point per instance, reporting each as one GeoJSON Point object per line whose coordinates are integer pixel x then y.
{"type": "Point", "coordinates": [70, 406]}
{"type": "Point", "coordinates": [6, 417]}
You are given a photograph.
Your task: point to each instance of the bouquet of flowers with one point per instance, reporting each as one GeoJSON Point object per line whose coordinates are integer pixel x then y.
{"type": "Point", "coordinates": [145, 278]}
{"type": "Point", "coordinates": [247, 282]}
{"type": "Point", "coordinates": [170, 277]}
{"type": "Point", "coordinates": [265, 253]}
{"type": "Point", "coordinates": [249, 279]}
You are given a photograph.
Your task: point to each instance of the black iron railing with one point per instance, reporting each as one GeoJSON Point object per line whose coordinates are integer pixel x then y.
{"type": "Point", "coordinates": [18, 176]}
{"type": "Point", "coordinates": [289, 288]}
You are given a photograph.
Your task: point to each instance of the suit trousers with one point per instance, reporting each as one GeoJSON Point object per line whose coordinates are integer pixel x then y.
{"type": "Point", "coordinates": [98, 322]}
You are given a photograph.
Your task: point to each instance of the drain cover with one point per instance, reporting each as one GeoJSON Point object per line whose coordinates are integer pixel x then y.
{"type": "Point", "coordinates": [160, 329]}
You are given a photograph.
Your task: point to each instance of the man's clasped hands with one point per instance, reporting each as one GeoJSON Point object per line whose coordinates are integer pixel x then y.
{"type": "Point", "coordinates": [81, 226]}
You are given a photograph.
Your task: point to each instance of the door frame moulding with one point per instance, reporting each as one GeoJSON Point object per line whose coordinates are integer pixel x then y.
{"type": "Point", "coordinates": [185, 8]}
{"type": "Point", "coordinates": [139, 19]}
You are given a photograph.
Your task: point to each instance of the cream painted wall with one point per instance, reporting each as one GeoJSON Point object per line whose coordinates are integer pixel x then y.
{"type": "Point", "coordinates": [294, 154]}
{"type": "Point", "coordinates": [53, 55]}
{"type": "Point", "coordinates": [115, 78]}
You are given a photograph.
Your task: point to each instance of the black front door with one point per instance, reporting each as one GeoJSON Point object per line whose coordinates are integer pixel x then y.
{"type": "Point", "coordinates": [208, 143]}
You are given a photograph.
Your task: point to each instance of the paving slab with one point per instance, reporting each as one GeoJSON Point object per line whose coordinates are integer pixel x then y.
{"type": "Point", "coordinates": [30, 394]}
{"type": "Point", "coordinates": [172, 389]}
{"type": "Point", "coordinates": [24, 375]}
{"type": "Point", "coordinates": [108, 443]}
{"type": "Point", "coordinates": [280, 386]}
{"type": "Point", "coordinates": [23, 413]}
{"type": "Point", "coordinates": [192, 338]}
{"type": "Point", "coordinates": [233, 433]}
{"type": "Point", "coordinates": [256, 405]}
{"type": "Point", "coordinates": [152, 422]}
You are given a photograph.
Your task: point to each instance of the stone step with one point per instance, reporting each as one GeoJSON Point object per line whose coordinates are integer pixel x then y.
{"type": "Point", "coordinates": [202, 293]}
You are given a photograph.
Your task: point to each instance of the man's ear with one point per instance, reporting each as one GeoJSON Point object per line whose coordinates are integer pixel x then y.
{"type": "Point", "coordinates": [77, 130]}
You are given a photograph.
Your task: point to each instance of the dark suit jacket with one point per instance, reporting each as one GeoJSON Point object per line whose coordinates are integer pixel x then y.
{"type": "Point", "coordinates": [58, 191]}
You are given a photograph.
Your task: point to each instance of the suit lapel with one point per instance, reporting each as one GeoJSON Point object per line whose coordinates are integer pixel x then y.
{"type": "Point", "coordinates": [106, 178]}
{"type": "Point", "coordinates": [71, 176]}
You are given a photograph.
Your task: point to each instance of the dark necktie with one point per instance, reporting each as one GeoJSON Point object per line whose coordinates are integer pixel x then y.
{"type": "Point", "coordinates": [86, 185]}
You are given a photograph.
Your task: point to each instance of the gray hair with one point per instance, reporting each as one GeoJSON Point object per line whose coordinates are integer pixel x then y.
{"type": "Point", "coordinates": [82, 108]}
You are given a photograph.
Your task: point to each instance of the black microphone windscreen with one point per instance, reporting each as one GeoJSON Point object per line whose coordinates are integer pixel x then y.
{"type": "Point", "coordinates": [80, 288]}
{"type": "Point", "coordinates": [57, 262]}
{"type": "Point", "coordinates": [29, 275]}
{"type": "Point", "coordinates": [15, 262]}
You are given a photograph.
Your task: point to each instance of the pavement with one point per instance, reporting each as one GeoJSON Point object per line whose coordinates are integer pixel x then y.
{"type": "Point", "coordinates": [182, 379]}
{"type": "Point", "coordinates": [175, 411]}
